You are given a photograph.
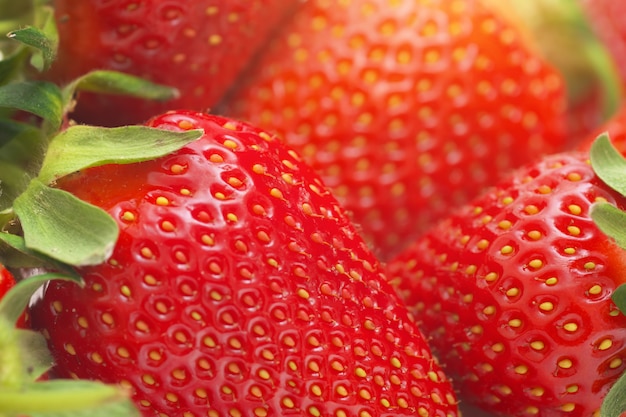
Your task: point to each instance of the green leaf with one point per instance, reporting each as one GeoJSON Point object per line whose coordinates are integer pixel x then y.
{"type": "Point", "coordinates": [113, 82]}
{"type": "Point", "coordinates": [608, 163]}
{"type": "Point", "coordinates": [23, 145]}
{"type": "Point", "coordinates": [67, 398]}
{"type": "Point", "coordinates": [38, 39]}
{"type": "Point", "coordinates": [614, 403]}
{"type": "Point", "coordinates": [37, 97]}
{"type": "Point", "coordinates": [14, 302]}
{"type": "Point", "coordinates": [611, 221]}
{"type": "Point", "coordinates": [619, 298]}
{"type": "Point", "coordinates": [61, 226]}
{"type": "Point", "coordinates": [36, 358]}
{"type": "Point", "coordinates": [15, 254]}
{"type": "Point", "coordinates": [82, 147]}
{"type": "Point", "coordinates": [13, 181]}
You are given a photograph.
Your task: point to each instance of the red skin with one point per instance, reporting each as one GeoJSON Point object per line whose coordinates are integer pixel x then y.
{"type": "Point", "coordinates": [402, 118]}
{"type": "Point", "coordinates": [515, 290]}
{"type": "Point", "coordinates": [251, 300]}
{"type": "Point", "coordinates": [615, 127]}
{"type": "Point", "coordinates": [197, 46]}
{"type": "Point", "coordinates": [6, 281]}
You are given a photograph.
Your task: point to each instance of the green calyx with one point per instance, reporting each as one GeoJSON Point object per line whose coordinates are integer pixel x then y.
{"type": "Point", "coordinates": [610, 166]}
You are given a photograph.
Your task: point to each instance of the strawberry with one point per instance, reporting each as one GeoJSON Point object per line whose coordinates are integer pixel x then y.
{"type": "Point", "coordinates": [197, 46]}
{"type": "Point", "coordinates": [6, 281]}
{"type": "Point", "coordinates": [555, 29]}
{"type": "Point", "coordinates": [515, 289]}
{"type": "Point", "coordinates": [237, 286]}
{"type": "Point", "coordinates": [404, 108]}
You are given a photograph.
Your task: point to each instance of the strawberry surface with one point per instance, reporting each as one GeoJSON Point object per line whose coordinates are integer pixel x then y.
{"type": "Point", "coordinates": [197, 46]}
{"type": "Point", "coordinates": [237, 287]}
{"type": "Point", "coordinates": [6, 281]}
{"type": "Point", "coordinates": [515, 290]}
{"type": "Point", "coordinates": [404, 108]}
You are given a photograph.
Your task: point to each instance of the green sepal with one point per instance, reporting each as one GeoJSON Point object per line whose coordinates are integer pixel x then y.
{"type": "Point", "coordinates": [611, 221]}
{"type": "Point", "coordinates": [36, 358]}
{"type": "Point", "coordinates": [619, 298]}
{"type": "Point", "coordinates": [44, 46]}
{"type": "Point", "coordinates": [608, 163]}
{"type": "Point", "coordinates": [67, 398]}
{"type": "Point", "coordinates": [15, 254]}
{"type": "Point", "coordinates": [114, 82]}
{"type": "Point", "coordinates": [13, 303]}
{"type": "Point", "coordinates": [13, 181]}
{"type": "Point", "coordinates": [81, 147]}
{"type": "Point", "coordinates": [40, 98]}
{"type": "Point", "coordinates": [614, 404]}
{"type": "Point", "coordinates": [63, 227]}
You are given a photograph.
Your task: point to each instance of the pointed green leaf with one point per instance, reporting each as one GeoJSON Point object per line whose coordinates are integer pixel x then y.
{"type": "Point", "coordinates": [614, 403]}
{"type": "Point", "coordinates": [14, 253]}
{"type": "Point", "coordinates": [619, 298]}
{"type": "Point", "coordinates": [13, 181]}
{"type": "Point", "coordinates": [63, 227]}
{"type": "Point", "coordinates": [67, 398]}
{"type": "Point", "coordinates": [82, 147]}
{"type": "Point", "coordinates": [38, 39]}
{"type": "Point", "coordinates": [608, 163]}
{"type": "Point", "coordinates": [113, 82]}
{"type": "Point", "coordinates": [36, 357]}
{"type": "Point", "coordinates": [22, 145]}
{"type": "Point", "coordinates": [37, 97]}
{"type": "Point", "coordinates": [611, 221]}
{"type": "Point", "coordinates": [14, 302]}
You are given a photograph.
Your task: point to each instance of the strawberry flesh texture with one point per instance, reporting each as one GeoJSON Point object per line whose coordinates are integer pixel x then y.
{"type": "Point", "coordinates": [404, 109]}
{"type": "Point", "coordinates": [197, 46]}
{"type": "Point", "coordinates": [6, 281]}
{"type": "Point", "coordinates": [515, 291]}
{"type": "Point", "coordinates": [237, 286]}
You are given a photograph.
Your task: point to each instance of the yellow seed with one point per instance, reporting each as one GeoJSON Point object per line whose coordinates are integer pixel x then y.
{"type": "Point", "coordinates": [573, 230]}
{"type": "Point", "coordinates": [506, 250]}
{"type": "Point", "coordinates": [575, 209]}
{"type": "Point", "coordinates": [605, 344]}
{"type": "Point", "coordinates": [512, 292]}
{"type": "Point", "coordinates": [535, 263]}
{"type": "Point", "coordinates": [521, 369]}
{"type": "Point", "coordinates": [615, 363]}
{"type": "Point", "coordinates": [595, 290]}
{"type": "Point", "coordinates": [570, 327]}
{"type": "Point", "coordinates": [162, 201]}
{"type": "Point", "coordinates": [515, 323]}
{"type": "Point", "coordinates": [546, 306]}
{"type": "Point", "coordinates": [491, 277]}
{"type": "Point", "coordinates": [565, 363]}
{"type": "Point", "coordinates": [537, 345]}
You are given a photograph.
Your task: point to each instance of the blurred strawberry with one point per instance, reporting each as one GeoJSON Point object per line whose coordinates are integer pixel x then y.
{"type": "Point", "coordinates": [197, 46]}
{"type": "Point", "coordinates": [405, 108]}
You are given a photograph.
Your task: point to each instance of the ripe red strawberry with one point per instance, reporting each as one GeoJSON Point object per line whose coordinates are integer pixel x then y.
{"type": "Point", "coordinates": [556, 29]}
{"type": "Point", "coordinates": [237, 287]}
{"type": "Point", "coordinates": [404, 108]}
{"type": "Point", "coordinates": [198, 46]}
{"type": "Point", "coordinates": [515, 290]}
{"type": "Point", "coordinates": [6, 281]}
